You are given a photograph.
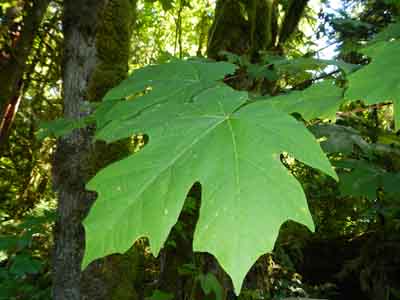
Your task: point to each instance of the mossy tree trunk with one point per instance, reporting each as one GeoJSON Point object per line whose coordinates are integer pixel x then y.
{"type": "Point", "coordinates": [250, 28]}
{"type": "Point", "coordinates": [243, 27]}
{"type": "Point", "coordinates": [246, 27]}
{"type": "Point", "coordinates": [96, 52]}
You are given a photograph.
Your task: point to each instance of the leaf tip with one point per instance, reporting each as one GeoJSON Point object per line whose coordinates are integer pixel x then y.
{"type": "Point", "coordinates": [87, 259]}
{"type": "Point", "coordinates": [334, 175]}
{"type": "Point", "coordinates": [237, 286]}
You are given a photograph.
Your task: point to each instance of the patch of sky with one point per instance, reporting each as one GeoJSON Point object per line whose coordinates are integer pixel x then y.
{"type": "Point", "coordinates": [326, 46]}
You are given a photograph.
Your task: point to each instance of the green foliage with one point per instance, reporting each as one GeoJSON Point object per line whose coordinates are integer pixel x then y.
{"type": "Point", "coordinates": [160, 295]}
{"type": "Point", "coordinates": [364, 179]}
{"type": "Point", "coordinates": [168, 26]}
{"type": "Point", "coordinates": [26, 194]}
{"type": "Point", "coordinates": [25, 264]}
{"type": "Point", "coordinates": [339, 139]}
{"type": "Point", "coordinates": [273, 66]}
{"type": "Point", "coordinates": [301, 64]}
{"type": "Point", "coordinates": [199, 131]}
{"type": "Point", "coordinates": [166, 80]}
{"type": "Point", "coordinates": [24, 169]}
{"type": "Point", "coordinates": [24, 251]}
{"type": "Point", "coordinates": [59, 127]}
{"type": "Point", "coordinates": [321, 100]}
{"type": "Point", "coordinates": [365, 84]}
{"type": "Point", "coordinates": [255, 71]}
{"type": "Point", "coordinates": [389, 33]}
{"type": "Point", "coordinates": [166, 4]}
{"type": "Point", "coordinates": [156, 100]}
{"type": "Point", "coordinates": [210, 284]}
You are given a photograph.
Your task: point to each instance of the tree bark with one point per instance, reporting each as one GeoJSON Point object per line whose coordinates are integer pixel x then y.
{"type": "Point", "coordinates": [292, 17]}
{"type": "Point", "coordinates": [250, 28]}
{"type": "Point", "coordinates": [230, 30]}
{"type": "Point", "coordinates": [80, 24]}
{"type": "Point", "coordinates": [96, 52]}
{"type": "Point", "coordinates": [246, 27]}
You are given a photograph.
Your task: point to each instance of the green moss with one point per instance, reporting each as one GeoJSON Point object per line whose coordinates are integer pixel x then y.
{"type": "Point", "coordinates": [242, 27]}
{"type": "Point", "coordinates": [124, 291]}
{"type": "Point", "coordinates": [105, 77]}
{"type": "Point", "coordinates": [116, 277]}
{"type": "Point", "coordinates": [130, 270]}
{"type": "Point", "coordinates": [112, 42]}
{"type": "Point", "coordinates": [230, 29]}
{"type": "Point", "coordinates": [113, 47]}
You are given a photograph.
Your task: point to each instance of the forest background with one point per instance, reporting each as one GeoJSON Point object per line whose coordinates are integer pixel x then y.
{"type": "Point", "coordinates": [59, 58]}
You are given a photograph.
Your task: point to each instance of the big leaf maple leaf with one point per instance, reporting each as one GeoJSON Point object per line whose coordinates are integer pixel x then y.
{"type": "Point", "coordinates": [206, 133]}
{"type": "Point", "coordinates": [379, 81]}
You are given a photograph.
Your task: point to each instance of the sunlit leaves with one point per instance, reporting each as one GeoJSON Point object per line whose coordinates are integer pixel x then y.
{"type": "Point", "coordinates": [379, 81]}
{"type": "Point", "coordinates": [321, 100]}
{"type": "Point", "coordinates": [389, 33]}
{"type": "Point", "coordinates": [199, 131]}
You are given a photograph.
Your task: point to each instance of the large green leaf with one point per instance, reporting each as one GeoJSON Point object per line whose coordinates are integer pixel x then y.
{"type": "Point", "coordinates": [168, 78]}
{"type": "Point", "coordinates": [212, 137]}
{"type": "Point", "coordinates": [379, 81]}
{"type": "Point", "coordinates": [60, 127]}
{"type": "Point", "coordinates": [340, 139]}
{"type": "Point", "coordinates": [365, 178]}
{"type": "Point", "coordinates": [156, 84]}
{"type": "Point", "coordinates": [321, 100]}
{"type": "Point", "coordinates": [390, 32]}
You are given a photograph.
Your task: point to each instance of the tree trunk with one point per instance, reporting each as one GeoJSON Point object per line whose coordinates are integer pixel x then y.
{"type": "Point", "coordinates": [69, 177]}
{"type": "Point", "coordinates": [293, 15]}
{"type": "Point", "coordinates": [243, 28]}
{"type": "Point", "coordinates": [96, 52]}
{"type": "Point", "coordinates": [248, 27]}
